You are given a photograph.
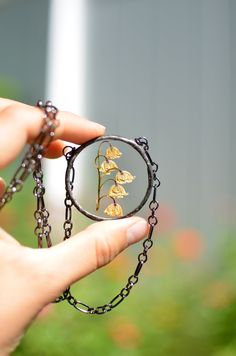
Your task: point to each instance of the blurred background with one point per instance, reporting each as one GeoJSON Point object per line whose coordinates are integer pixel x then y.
{"type": "Point", "coordinates": [164, 69]}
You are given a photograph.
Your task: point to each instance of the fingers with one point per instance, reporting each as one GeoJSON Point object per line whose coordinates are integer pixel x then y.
{"type": "Point", "coordinates": [89, 250]}
{"type": "Point", "coordinates": [4, 102]}
{"type": "Point", "coordinates": [4, 236]}
{"type": "Point", "coordinates": [20, 123]}
{"type": "Point", "coordinates": [55, 149]}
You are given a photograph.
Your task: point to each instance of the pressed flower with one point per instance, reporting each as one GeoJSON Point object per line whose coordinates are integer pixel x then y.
{"type": "Point", "coordinates": [123, 177]}
{"type": "Point", "coordinates": [114, 209]}
{"type": "Point", "coordinates": [118, 176]}
{"type": "Point", "coordinates": [117, 191]}
{"type": "Point", "coordinates": [113, 152]}
{"type": "Point", "coordinates": [107, 166]}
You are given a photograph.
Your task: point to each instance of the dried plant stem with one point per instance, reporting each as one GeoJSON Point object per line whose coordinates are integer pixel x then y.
{"type": "Point", "coordinates": [107, 180]}
{"type": "Point", "coordinates": [107, 196]}
{"type": "Point", "coordinates": [99, 183]}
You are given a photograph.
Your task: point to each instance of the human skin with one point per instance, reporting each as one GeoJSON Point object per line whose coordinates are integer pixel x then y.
{"type": "Point", "coordinates": [32, 278]}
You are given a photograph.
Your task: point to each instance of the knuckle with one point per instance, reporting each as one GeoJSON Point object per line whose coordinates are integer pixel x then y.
{"type": "Point", "coordinates": [14, 111]}
{"type": "Point", "coordinates": [103, 251]}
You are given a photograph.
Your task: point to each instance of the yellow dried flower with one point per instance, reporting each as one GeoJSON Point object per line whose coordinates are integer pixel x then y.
{"type": "Point", "coordinates": [117, 191]}
{"type": "Point", "coordinates": [123, 177]}
{"type": "Point", "coordinates": [114, 209]}
{"type": "Point", "coordinates": [107, 166]}
{"type": "Point", "coordinates": [113, 152]}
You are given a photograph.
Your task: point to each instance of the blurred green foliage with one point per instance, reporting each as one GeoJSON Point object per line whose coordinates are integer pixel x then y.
{"type": "Point", "coordinates": [9, 89]}
{"type": "Point", "coordinates": [185, 302]}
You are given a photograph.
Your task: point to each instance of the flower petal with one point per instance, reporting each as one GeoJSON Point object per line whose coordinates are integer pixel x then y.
{"type": "Point", "coordinates": [123, 177]}
{"type": "Point", "coordinates": [107, 166]}
{"type": "Point", "coordinates": [117, 191]}
{"type": "Point", "coordinates": [114, 210]}
{"type": "Point", "coordinates": [113, 152]}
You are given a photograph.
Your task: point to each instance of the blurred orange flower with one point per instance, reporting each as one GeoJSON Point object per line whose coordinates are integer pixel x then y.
{"type": "Point", "coordinates": [125, 333]}
{"type": "Point", "coordinates": [188, 245]}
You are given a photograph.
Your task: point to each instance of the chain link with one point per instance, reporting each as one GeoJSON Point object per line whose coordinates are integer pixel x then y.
{"type": "Point", "coordinates": [68, 225]}
{"type": "Point", "coordinates": [142, 257]}
{"type": "Point", "coordinates": [41, 214]}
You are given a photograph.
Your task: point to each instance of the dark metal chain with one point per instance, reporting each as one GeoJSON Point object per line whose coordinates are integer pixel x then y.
{"type": "Point", "coordinates": [41, 214]}
{"type": "Point", "coordinates": [68, 224]}
{"type": "Point", "coordinates": [33, 156]}
{"type": "Point", "coordinates": [142, 257]}
{"type": "Point", "coordinates": [31, 163]}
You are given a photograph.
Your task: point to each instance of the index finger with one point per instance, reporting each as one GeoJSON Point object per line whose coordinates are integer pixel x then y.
{"type": "Point", "coordinates": [21, 123]}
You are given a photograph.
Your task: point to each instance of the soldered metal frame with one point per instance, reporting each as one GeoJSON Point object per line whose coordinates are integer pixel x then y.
{"type": "Point", "coordinates": [73, 153]}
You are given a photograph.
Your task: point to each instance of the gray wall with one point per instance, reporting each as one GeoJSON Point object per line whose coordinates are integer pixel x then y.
{"type": "Point", "coordinates": [166, 69]}
{"type": "Point", "coordinates": [23, 43]}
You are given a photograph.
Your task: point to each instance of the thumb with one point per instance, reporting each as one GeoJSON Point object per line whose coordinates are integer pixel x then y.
{"type": "Point", "coordinates": [89, 250]}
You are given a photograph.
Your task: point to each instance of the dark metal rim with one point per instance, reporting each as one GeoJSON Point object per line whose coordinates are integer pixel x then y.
{"type": "Point", "coordinates": [133, 144]}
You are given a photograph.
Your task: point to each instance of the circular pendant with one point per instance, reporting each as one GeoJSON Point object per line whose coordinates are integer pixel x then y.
{"type": "Point", "coordinates": [119, 177]}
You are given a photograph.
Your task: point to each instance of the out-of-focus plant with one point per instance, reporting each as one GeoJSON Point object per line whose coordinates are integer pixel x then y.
{"type": "Point", "coordinates": [9, 89]}
{"type": "Point", "coordinates": [184, 305]}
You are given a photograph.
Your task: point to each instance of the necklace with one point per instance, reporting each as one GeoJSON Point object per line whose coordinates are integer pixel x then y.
{"type": "Point", "coordinates": [111, 182]}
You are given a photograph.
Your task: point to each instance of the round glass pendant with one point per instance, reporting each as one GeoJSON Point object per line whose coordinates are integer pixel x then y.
{"type": "Point", "coordinates": [119, 177]}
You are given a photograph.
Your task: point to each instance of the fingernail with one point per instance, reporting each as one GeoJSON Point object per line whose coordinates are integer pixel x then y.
{"type": "Point", "coordinates": [137, 231]}
{"type": "Point", "coordinates": [98, 126]}
{"type": "Point", "coordinates": [2, 186]}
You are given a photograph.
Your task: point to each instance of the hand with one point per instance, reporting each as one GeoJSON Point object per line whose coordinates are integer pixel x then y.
{"type": "Point", "coordinates": [32, 278]}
